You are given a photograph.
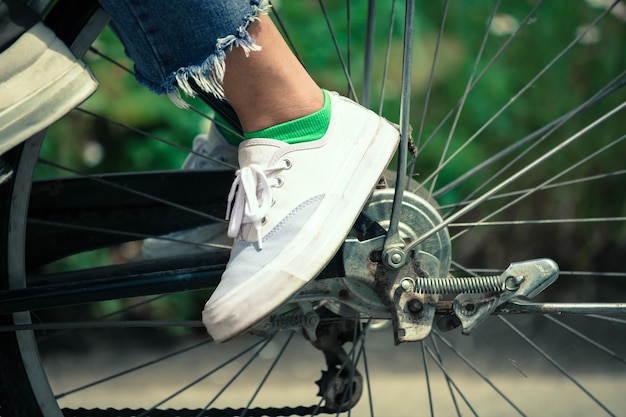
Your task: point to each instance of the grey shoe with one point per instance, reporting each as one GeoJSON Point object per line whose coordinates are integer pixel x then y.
{"type": "Point", "coordinates": [40, 79]}
{"type": "Point", "coordinates": [211, 152]}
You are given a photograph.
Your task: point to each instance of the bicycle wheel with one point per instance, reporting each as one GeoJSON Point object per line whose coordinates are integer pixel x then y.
{"type": "Point", "coordinates": [504, 178]}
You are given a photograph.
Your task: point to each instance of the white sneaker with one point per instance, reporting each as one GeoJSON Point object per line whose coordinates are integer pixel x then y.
{"type": "Point", "coordinates": [40, 81]}
{"type": "Point", "coordinates": [291, 209]}
{"type": "Point", "coordinates": [211, 152]}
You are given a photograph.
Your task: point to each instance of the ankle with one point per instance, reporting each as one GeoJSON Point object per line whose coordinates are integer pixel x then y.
{"type": "Point", "coordinates": [269, 86]}
{"type": "Point", "coordinates": [306, 128]}
{"type": "Point", "coordinates": [277, 108]}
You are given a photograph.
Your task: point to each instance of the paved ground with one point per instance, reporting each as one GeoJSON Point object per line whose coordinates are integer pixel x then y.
{"type": "Point", "coordinates": [396, 373]}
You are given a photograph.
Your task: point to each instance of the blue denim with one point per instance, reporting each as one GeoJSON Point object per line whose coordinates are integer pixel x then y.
{"type": "Point", "coordinates": [172, 42]}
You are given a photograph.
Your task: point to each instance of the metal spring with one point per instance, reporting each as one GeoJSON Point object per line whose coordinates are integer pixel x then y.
{"type": "Point", "coordinates": [463, 285]}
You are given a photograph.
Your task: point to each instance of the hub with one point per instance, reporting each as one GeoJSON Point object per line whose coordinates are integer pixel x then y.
{"type": "Point", "coordinates": [362, 258]}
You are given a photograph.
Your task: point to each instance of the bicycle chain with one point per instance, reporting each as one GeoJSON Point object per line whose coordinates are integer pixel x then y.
{"type": "Point", "coordinates": [214, 412]}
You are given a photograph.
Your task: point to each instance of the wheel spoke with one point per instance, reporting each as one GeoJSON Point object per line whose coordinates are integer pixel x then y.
{"type": "Point", "coordinates": [158, 138]}
{"type": "Point", "coordinates": [431, 76]}
{"type": "Point", "coordinates": [130, 370]}
{"type": "Point", "coordinates": [533, 139]}
{"type": "Point", "coordinates": [110, 324]}
{"type": "Point", "coordinates": [517, 175]}
{"type": "Point", "coordinates": [448, 377]}
{"type": "Point", "coordinates": [449, 385]}
{"type": "Point", "coordinates": [587, 339]}
{"type": "Point", "coordinates": [477, 371]}
{"type": "Point", "coordinates": [554, 363]}
{"type": "Point", "coordinates": [392, 15]}
{"type": "Point", "coordinates": [132, 235]}
{"type": "Point", "coordinates": [463, 99]}
{"type": "Point", "coordinates": [550, 180]}
{"type": "Point", "coordinates": [115, 62]}
{"type": "Point", "coordinates": [517, 95]}
{"type": "Point", "coordinates": [268, 373]}
{"type": "Point", "coordinates": [542, 221]}
{"type": "Point", "coordinates": [348, 394]}
{"type": "Point", "coordinates": [427, 379]}
{"type": "Point", "coordinates": [547, 187]}
{"type": "Point", "coordinates": [368, 384]}
{"type": "Point", "coordinates": [489, 271]}
{"type": "Point", "coordinates": [342, 61]}
{"type": "Point", "coordinates": [135, 192]}
{"type": "Point", "coordinates": [368, 61]}
{"type": "Point", "coordinates": [286, 35]}
{"type": "Point", "coordinates": [260, 345]}
{"type": "Point", "coordinates": [605, 318]}
{"type": "Point", "coordinates": [490, 64]}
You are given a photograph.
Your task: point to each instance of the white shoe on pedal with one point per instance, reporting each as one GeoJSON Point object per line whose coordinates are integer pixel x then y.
{"type": "Point", "coordinates": [291, 207]}
{"type": "Point", "coordinates": [40, 79]}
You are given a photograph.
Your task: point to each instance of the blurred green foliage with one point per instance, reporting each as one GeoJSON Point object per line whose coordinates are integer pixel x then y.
{"type": "Point", "coordinates": [92, 144]}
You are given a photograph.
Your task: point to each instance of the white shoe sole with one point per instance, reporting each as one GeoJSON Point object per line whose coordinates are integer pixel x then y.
{"type": "Point", "coordinates": [311, 250]}
{"type": "Point", "coordinates": [51, 100]}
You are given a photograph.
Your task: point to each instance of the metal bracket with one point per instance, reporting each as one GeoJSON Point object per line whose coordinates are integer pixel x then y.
{"type": "Point", "coordinates": [302, 316]}
{"type": "Point", "coordinates": [520, 280]}
{"type": "Point", "coordinates": [412, 313]}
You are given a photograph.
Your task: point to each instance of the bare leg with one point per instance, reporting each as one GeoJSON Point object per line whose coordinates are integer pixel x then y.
{"type": "Point", "coordinates": [270, 86]}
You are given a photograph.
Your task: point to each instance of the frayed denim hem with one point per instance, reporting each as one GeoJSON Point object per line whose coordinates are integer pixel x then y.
{"type": "Point", "coordinates": [209, 75]}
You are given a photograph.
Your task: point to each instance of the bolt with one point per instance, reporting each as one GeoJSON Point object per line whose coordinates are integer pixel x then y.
{"type": "Point", "coordinates": [407, 284]}
{"type": "Point", "coordinates": [469, 309]}
{"type": "Point", "coordinates": [513, 283]}
{"type": "Point", "coordinates": [396, 258]}
{"type": "Point", "coordinates": [311, 320]}
{"type": "Point", "coordinates": [414, 306]}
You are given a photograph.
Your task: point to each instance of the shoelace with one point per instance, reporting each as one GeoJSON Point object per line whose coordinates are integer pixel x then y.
{"type": "Point", "coordinates": [250, 198]}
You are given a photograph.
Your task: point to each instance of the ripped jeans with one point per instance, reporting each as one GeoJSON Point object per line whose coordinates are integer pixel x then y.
{"type": "Point", "coordinates": [173, 42]}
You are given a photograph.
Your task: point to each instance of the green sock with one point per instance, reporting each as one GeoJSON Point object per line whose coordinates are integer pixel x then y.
{"type": "Point", "coordinates": [304, 129]}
